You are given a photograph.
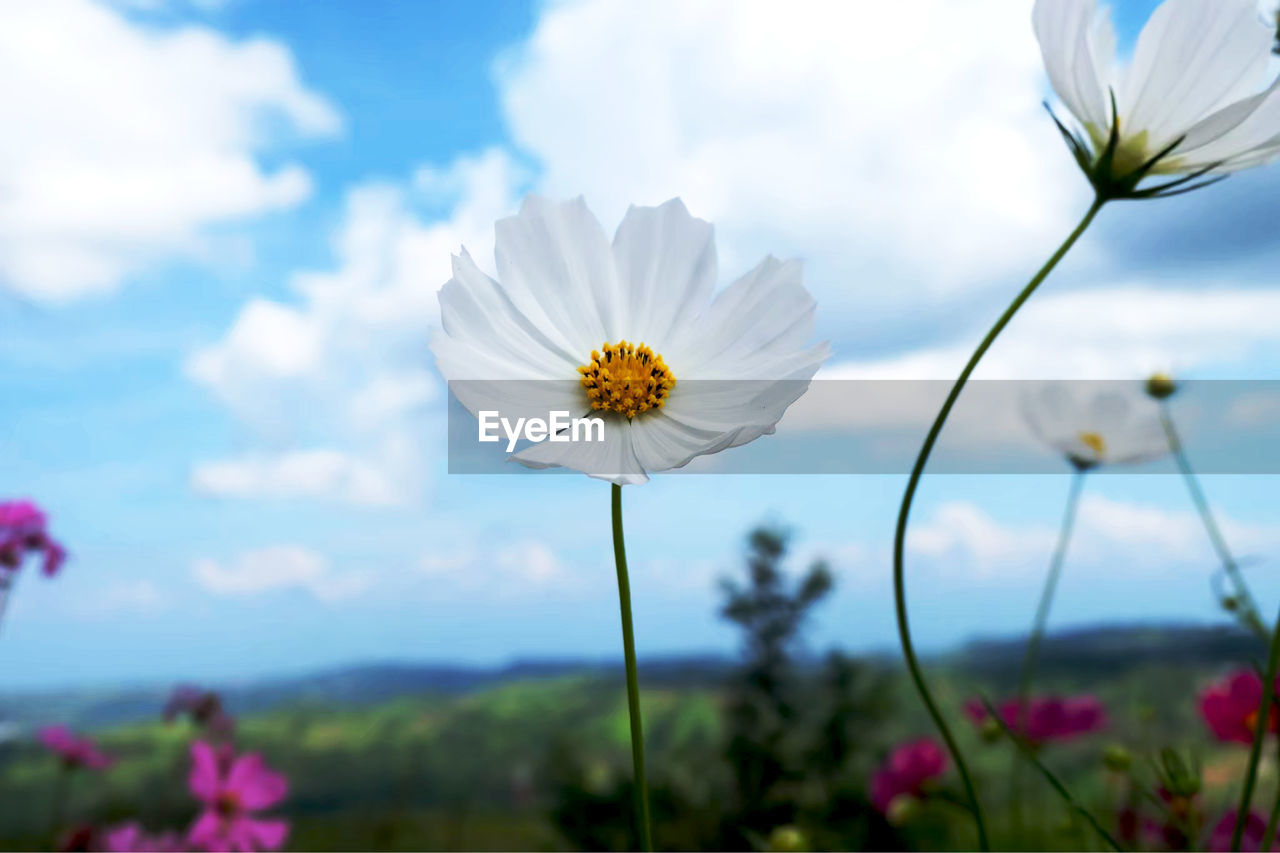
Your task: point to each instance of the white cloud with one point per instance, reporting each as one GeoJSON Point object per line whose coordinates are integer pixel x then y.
{"type": "Point", "coordinates": [132, 597]}
{"type": "Point", "coordinates": [346, 359]}
{"type": "Point", "coordinates": [320, 473]}
{"type": "Point", "coordinates": [901, 146]}
{"type": "Point", "coordinates": [124, 143]}
{"type": "Point", "coordinates": [276, 568]}
{"type": "Point", "coordinates": [502, 570]}
{"type": "Point", "coordinates": [966, 539]}
{"type": "Point", "coordinates": [1123, 332]}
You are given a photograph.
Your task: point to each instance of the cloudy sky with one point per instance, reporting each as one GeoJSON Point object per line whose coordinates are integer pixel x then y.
{"type": "Point", "coordinates": [224, 223]}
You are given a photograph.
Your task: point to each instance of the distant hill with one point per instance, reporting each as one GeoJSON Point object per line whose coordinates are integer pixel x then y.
{"type": "Point", "coordinates": [348, 686]}
{"type": "Point", "coordinates": [1107, 651]}
{"type": "Point", "coordinates": [1095, 652]}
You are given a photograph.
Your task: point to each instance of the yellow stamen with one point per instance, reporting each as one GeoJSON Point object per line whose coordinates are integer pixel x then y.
{"type": "Point", "coordinates": [1094, 442]}
{"type": "Point", "coordinates": [626, 378]}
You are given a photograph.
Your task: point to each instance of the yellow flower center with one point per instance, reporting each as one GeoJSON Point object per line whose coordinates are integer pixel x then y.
{"type": "Point", "coordinates": [627, 379]}
{"type": "Point", "coordinates": [1094, 442]}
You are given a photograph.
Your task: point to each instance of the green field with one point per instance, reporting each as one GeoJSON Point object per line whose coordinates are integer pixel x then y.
{"type": "Point", "coordinates": [544, 764]}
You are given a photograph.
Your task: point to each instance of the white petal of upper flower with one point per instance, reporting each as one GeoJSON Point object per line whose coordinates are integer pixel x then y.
{"type": "Point", "coordinates": [1077, 49]}
{"type": "Point", "coordinates": [667, 267]}
{"type": "Point", "coordinates": [1244, 134]}
{"type": "Point", "coordinates": [555, 263]}
{"type": "Point", "coordinates": [1193, 58]}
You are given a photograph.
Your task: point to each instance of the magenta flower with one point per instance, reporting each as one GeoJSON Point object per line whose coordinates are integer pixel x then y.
{"type": "Point", "coordinates": [906, 772]}
{"type": "Point", "coordinates": [232, 791]}
{"type": "Point", "coordinates": [23, 531]}
{"type": "Point", "coordinates": [1046, 718]}
{"type": "Point", "coordinates": [1230, 707]}
{"type": "Point", "coordinates": [132, 838]}
{"type": "Point", "coordinates": [203, 707]}
{"type": "Point", "coordinates": [75, 751]}
{"type": "Point", "coordinates": [1251, 842]}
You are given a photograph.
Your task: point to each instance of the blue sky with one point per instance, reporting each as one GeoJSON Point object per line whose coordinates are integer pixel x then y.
{"type": "Point", "coordinates": [223, 395]}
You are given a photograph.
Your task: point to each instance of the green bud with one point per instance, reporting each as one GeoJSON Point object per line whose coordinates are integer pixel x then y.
{"type": "Point", "coordinates": [1161, 386]}
{"type": "Point", "coordinates": [991, 731]}
{"type": "Point", "coordinates": [902, 809]}
{"type": "Point", "coordinates": [788, 839]}
{"type": "Point", "coordinates": [1117, 759]}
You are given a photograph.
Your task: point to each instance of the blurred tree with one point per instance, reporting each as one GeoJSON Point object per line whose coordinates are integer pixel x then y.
{"type": "Point", "coordinates": [794, 729]}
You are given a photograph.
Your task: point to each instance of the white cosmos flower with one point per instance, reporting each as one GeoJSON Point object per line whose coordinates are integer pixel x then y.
{"type": "Point", "coordinates": [1093, 424]}
{"type": "Point", "coordinates": [1198, 96]}
{"type": "Point", "coordinates": [705, 374]}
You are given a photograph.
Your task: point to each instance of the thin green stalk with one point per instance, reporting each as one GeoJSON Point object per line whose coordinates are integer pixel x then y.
{"type": "Point", "coordinates": [1248, 607]}
{"type": "Point", "coordinates": [1269, 837]}
{"type": "Point", "coordinates": [6, 586]}
{"type": "Point", "coordinates": [1036, 636]}
{"type": "Point", "coordinates": [1052, 779]}
{"type": "Point", "coordinates": [1046, 596]}
{"type": "Point", "coordinates": [61, 792]}
{"type": "Point", "coordinates": [904, 513]}
{"type": "Point", "coordinates": [633, 683]}
{"type": "Point", "coordinates": [1259, 735]}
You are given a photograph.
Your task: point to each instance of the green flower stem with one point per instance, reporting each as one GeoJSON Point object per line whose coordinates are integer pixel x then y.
{"type": "Point", "coordinates": [1248, 607]}
{"type": "Point", "coordinates": [1259, 735]}
{"type": "Point", "coordinates": [904, 513]}
{"type": "Point", "coordinates": [1046, 596]}
{"type": "Point", "coordinates": [1269, 837]}
{"type": "Point", "coordinates": [1031, 657]}
{"type": "Point", "coordinates": [1053, 780]}
{"type": "Point", "coordinates": [61, 793]}
{"type": "Point", "coordinates": [633, 683]}
{"type": "Point", "coordinates": [6, 587]}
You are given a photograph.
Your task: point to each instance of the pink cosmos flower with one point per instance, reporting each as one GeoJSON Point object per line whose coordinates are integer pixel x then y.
{"type": "Point", "coordinates": [231, 792]}
{"type": "Point", "coordinates": [75, 751]}
{"type": "Point", "coordinates": [1251, 842]}
{"type": "Point", "coordinates": [203, 707]}
{"type": "Point", "coordinates": [1230, 707]}
{"type": "Point", "coordinates": [1046, 718]}
{"type": "Point", "coordinates": [906, 771]}
{"type": "Point", "coordinates": [23, 530]}
{"type": "Point", "coordinates": [132, 838]}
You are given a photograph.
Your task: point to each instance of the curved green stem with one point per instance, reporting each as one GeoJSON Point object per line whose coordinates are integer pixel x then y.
{"type": "Point", "coordinates": [1248, 607]}
{"type": "Point", "coordinates": [640, 786]}
{"type": "Point", "coordinates": [904, 513]}
{"type": "Point", "coordinates": [1031, 657]}
{"type": "Point", "coordinates": [1259, 735]}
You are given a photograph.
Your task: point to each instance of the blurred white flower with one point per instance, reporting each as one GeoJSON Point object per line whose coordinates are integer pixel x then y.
{"type": "Point", "coordinates": [1198, 97]}
{"type": "Point", "coordinates": [628, 332]}
{"type": "Point", "coordinates": [1093, 424]}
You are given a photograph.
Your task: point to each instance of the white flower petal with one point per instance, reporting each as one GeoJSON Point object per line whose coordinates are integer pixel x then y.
{"type": "Point", "coordinates": [476, 310]}
{"type": "Point", "coordinates": [663, 442]}
{"type": "Point", "coordinates": [1244, 134]}
{"type": "Point", "coordinates": [666, 261]}
{"type": "Point", "coordinates": [1075, 48]}
{"type": "Point", "coordinates": [1193, 58]}
{"type": "Point", "coordinates": [613, 459]}
{"type": "Point", "coordinates": [555, 263]}
{"type": "Point", "coordinates": [763, 316]}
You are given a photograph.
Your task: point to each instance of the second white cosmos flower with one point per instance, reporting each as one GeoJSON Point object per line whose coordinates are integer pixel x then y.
{"type": "Point", "coordinates": [1199, 96]}
{"type": "Point", "coordinates": [629, 332]}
